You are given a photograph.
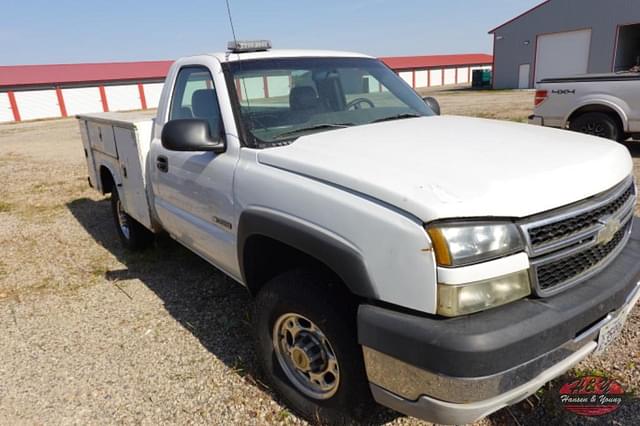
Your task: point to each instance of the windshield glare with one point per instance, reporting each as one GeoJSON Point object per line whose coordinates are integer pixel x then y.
{"type": "Point", "coordinates": [283, 99]}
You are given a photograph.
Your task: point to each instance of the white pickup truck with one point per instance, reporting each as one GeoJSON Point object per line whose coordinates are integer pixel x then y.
{"type": "Point", "coordinates": [604, 105]}
{"type": "Point", "coordinates": [443, 266]}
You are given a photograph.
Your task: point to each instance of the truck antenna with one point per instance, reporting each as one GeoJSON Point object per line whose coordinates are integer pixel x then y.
{"type": "Point", "coordinates": [233, 30]}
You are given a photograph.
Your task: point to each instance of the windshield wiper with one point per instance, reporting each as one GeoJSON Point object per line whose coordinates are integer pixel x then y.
{"type": "Point", "coordinates": [315, 127]}
{"type": "Point", "coordinates": [397, 117]}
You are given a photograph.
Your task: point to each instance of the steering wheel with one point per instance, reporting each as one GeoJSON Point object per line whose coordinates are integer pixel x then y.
{"type": "Point", "coordinates": [354, 103]}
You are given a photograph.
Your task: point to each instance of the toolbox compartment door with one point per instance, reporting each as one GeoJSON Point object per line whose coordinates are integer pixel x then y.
{"type": "Point", "coordinates": [88, 153]}
{"type": "Point", "coordinates": [133, 191]}
{"type": "Point", "coordinates": [102, 138]}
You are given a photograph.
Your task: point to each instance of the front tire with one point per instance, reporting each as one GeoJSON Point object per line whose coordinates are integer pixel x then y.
{"type": "Point", "coordinates": [598, 124]}
{"type": "Point", "coordinates": [133, 235]}
{"type": "Point", "coordinates": [307, 348]}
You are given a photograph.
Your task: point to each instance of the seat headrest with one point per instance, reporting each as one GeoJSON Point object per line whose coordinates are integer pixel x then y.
{"type": "Point", "coordinates": [303, 98]}
{"type": "Point", "coordinates": [204, 104]}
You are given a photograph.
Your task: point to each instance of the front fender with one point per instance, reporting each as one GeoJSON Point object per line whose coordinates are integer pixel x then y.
{"type": "Point", "coordinates": [332, 250]}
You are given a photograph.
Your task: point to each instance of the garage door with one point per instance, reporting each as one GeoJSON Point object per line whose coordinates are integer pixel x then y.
{"type": "Point", "coordinates": [563, 54]}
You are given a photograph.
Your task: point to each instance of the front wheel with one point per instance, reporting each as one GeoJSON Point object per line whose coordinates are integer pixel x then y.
{"type": "Point", "coordinates": [598, 124]}
{"type": "Point", "coordinates": [307, 348]}
{"type": "Point", "coordinates": [133, 235]}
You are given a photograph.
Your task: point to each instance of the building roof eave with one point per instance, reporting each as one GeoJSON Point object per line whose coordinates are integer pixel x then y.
{"type": "Point", "coordinates": [519, 16]}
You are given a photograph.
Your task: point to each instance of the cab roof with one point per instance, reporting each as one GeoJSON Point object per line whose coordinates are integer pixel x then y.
{"type": "Point", "coordinates": [285, 53]}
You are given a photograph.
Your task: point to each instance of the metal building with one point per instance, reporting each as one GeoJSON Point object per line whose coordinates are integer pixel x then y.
{"type": "Point", "coordinates": [560, 38]}
{"type": "Point", "coordinates": [30, 92]}
{"type": "Point", "coordinates": [438, 70]}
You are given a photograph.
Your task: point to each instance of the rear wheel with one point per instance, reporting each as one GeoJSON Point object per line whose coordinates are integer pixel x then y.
{"type": "Point", "coordinates": [133, 235]}
{"type": "Point", "coordinates": [308, 350]}
{"type": "Point", "coordinates": [598, 124]}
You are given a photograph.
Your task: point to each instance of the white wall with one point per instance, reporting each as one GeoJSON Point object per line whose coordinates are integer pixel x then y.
{"type": "Point", "coordinates": [6, 114]}
{"type": "Point", "coordinates": [252, 88]}
{"type": "Point", "coordinates": [450, 76]}
{"type": "Point", "coordinates": [152, 92]}
{"type": "Point", "coordinates": [422, 78]}
{"type": "Point", "coordinates": [407, 76]}
{"type": "Point", "coordinates": [278, 86]}
{"type": "Point", "coordinates": [436, 77]}
{"type": "Point", "coordinates": [463, 75]}
{"type": "Point", "coordinates": [374, 85]}
{"type": "Point", "coordinates": [36, 104]}
{"type": "Point", "coordinates": [82, 100]}
{"type": "Point", "coordinates": [123, 98]}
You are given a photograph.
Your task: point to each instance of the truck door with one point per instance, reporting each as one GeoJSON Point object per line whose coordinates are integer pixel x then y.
{"type": "Point", "coordinates": [193, 190]}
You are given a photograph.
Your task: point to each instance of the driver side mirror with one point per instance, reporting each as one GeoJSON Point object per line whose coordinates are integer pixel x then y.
{"type": "Point", "coordinates": [433, 104]}
{"type": "Point", "coordinates": [190, 135]}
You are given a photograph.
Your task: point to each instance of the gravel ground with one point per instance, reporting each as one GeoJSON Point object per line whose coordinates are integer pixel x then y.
{"type": "Point", "coordinates": [93, 334]}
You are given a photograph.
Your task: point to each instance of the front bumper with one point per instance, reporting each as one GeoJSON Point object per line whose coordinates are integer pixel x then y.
{"type": "Point", "coordinates": [461, 369]}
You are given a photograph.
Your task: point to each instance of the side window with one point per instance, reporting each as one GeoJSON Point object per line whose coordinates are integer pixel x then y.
{"type": "Point", "coordinates": [194, 96]}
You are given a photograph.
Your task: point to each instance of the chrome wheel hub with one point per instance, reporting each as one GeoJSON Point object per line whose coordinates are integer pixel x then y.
{"type": "Point", "coordinates": [306, 356]}
{"type": "Point", "coordinates": [123, 220]}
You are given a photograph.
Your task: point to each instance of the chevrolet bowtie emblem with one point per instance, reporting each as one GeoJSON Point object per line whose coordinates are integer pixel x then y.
{"type": "Point", "coordinates": [610, 229]}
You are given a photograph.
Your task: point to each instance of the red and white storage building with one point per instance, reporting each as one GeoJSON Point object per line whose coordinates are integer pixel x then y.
{"type": "Point", "coordinates": [438, 70]}
{"type": "Point", "coordinates": [31, 92]}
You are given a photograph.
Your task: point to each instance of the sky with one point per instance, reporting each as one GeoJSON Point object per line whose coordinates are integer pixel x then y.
{"type": "Point", "coordinates": [64, 31]}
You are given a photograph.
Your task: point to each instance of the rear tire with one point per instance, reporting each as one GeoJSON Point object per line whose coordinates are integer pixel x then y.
{"type": "Point", "coordinates": [133, 235]}
{"type": "Point", "coordinates": [598, 124]}
{"type": "Point", "coordinates": [315, 365]}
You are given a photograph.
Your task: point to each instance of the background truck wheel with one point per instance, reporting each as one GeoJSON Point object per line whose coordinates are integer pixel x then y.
{"type": "Point", "coordinates": [307, 348]}
{"type": "Point", "coordinates": [133, 235]}
{"type": "Point", "coordinates": [598, 124]}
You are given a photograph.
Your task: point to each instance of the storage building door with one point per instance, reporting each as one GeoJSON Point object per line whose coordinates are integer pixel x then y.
{"type": "Point", "coordinates": [563, 54]}
{"type": "Point", "coordinates": [523, 78]}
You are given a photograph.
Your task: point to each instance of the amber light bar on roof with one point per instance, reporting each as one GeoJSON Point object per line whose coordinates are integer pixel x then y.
{"type": "Point", "coordinates": [243, 46]}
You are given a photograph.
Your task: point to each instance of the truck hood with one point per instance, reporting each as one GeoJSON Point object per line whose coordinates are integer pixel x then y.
{"type": "Point", "coordinates": [453, 167]}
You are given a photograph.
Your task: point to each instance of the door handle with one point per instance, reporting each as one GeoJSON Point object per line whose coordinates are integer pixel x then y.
{"type": "Point", "coordinates": [162, 163]}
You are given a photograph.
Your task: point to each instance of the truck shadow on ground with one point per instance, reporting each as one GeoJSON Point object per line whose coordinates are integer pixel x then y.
{"type": "Point", "coordinates": [216, 310]}
{"type": "Point", "coordinates": [202, 299]}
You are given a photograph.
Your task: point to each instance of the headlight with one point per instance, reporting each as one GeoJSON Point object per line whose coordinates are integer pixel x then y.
{"type": "Point", "coordinates": [466, 244]}
{"type": "Point", "coordinates": [455, 300]}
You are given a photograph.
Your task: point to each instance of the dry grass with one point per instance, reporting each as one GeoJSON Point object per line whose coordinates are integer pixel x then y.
{"type": "Point", "coordinates": [93, 334]}
{"type": "Point", "coordinates": [513, 105]}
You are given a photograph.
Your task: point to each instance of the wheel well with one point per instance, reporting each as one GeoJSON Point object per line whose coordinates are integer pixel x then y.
{"type": "Point", "coordinates": [106, 180]}
{"type": "Point", "coordinates": [598, 108]}
{"type": "Point", "coordinates": [265, 258]}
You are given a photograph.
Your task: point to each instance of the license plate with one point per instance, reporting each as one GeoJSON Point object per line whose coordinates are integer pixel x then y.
{"type": "Point", "coordinates": [610, 332]}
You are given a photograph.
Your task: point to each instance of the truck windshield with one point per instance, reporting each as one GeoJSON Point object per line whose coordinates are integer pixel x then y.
{"type": "Point", "coordinates": [281, 100]}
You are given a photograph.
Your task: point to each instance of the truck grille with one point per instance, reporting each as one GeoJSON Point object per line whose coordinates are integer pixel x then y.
{"type": "Point", "coordinates": [546, 234]}
{"type": "Point", "coordinates": [570, 244]}
{"type": "Point", "coordinates": [571, 267]}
